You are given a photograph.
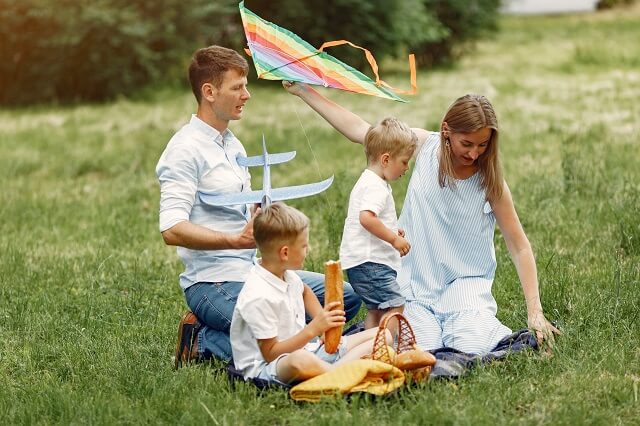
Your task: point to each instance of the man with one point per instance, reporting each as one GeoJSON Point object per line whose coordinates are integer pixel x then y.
{"type": "Point", "coordinates": [215, 244]}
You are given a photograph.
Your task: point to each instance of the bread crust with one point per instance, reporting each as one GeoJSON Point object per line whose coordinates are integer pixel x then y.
{"type": "Point", "coordinates": [414, 359]}
{"type": "Point", "coordinates": [333, 292]}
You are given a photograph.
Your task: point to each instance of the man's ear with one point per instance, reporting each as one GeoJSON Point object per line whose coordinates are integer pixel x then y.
{"type": "Point", "coordinates": [208, 92]}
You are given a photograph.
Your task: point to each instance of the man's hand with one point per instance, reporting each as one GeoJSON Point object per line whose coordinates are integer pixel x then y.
{"type": "Point", "coordinates": [244, 240]}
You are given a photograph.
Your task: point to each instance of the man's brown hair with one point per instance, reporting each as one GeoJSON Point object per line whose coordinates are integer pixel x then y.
{"type": "Point", "coordinates": [209, 64]}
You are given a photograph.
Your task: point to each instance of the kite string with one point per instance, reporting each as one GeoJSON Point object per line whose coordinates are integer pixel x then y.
{"type": "Point", "coordinates": [315, 161]}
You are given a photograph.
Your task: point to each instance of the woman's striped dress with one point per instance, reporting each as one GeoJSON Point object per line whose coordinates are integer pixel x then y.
{"type": "Point", "coordinates": [447, 276]}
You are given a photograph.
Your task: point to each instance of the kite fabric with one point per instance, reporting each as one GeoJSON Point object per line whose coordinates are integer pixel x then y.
{"type": "Point", "coordinates": [279, 54]}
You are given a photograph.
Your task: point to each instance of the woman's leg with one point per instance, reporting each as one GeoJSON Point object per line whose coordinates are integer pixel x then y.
{"type": "Point", "coordinates": [426, 326]}
{"type": "Point", "coordinates": [475, 332]}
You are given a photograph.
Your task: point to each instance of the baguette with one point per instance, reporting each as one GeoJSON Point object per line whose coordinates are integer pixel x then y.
{"type": "Point", "coordinates": [333, 292]}
{"type": "Point", "coordinates": [414, 359]}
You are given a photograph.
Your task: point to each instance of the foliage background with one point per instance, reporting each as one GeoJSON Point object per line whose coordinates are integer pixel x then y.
{"type": "Point", "coordinates": [93, 50]}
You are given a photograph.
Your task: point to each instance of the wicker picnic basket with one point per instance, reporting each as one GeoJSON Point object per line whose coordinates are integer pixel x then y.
{"type": "Point", "coordinates": [415, 363]}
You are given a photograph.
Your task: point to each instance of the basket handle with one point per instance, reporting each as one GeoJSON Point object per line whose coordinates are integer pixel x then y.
{"type": "Point", "coordinates": [406, 338]}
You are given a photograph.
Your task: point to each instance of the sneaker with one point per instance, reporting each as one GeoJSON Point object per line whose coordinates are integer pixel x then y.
{"type": "Point", "coordinates": [187, 348]}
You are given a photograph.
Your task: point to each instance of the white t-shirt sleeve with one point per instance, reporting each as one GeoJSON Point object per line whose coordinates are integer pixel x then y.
{"type": "Point", "coordinates": [373, 198]}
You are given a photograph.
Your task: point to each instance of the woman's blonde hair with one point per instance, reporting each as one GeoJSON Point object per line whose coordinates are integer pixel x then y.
{"type": "Point", "coordinates": [278, 225]}
{"type": "Point", "coordinates": [389, 135]}
{"type": "Point", "coordinates": [469, 114]}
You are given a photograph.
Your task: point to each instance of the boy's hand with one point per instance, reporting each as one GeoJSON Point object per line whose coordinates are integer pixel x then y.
{"type": "Point", "coordinates": [327, 318]}
{"type": "Point", "coordinates": [402, 245]}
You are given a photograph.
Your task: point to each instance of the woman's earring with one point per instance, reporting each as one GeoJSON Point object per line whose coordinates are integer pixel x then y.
{"type": "Point", "coordinates": [447, 142]}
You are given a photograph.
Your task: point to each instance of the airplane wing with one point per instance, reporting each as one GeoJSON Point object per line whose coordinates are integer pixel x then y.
{"type": "Point", "coordinates": [277, 194]}
{"type": "Point", "coordinates": [299, 191]}
{"type": "Point", "coordinates": [231, 199]}
{"type": "Point", "coordinates": [258, 160]}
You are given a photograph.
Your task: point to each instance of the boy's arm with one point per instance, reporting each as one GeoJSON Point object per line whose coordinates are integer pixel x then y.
{"type": "Point", "coordinates": [374, 225]}
{"type": "Point", "coordinates": [272, 348]}
{"type": "Point", "coordinates": [326, 318]}
{"type": "Point", "coordinates": [312, 305]}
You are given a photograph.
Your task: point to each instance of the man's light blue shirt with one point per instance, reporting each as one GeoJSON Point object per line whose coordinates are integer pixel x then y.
{"type": "Point", "coordinates": [199, 158]}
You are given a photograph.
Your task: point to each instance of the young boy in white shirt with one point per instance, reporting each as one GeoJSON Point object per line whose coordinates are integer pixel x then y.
{"type": "Point", "coordinates": [372, 243]}
{"type": "Point", "coordinates": [269, 337]}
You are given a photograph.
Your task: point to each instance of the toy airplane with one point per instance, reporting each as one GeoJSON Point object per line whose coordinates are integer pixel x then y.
{"type": "Point", "coordinates": [267, 194]}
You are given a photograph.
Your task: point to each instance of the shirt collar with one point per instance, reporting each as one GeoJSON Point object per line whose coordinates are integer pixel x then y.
{"type": "Point", "coordinates": [274, 281]}
{"type": "Point", "coordinates": [220, 138]}
{"type": "Point", "coordinates": [375, 176]}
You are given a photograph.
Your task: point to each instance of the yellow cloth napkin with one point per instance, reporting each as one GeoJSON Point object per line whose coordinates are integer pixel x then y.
{"type": "Point", "coordinates": [361, 375]}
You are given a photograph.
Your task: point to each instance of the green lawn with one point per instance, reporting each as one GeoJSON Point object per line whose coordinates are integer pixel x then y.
{"type": "Point", "coordinates": [90, 301]}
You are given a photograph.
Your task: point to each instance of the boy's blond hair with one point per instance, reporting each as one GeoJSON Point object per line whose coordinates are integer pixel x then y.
{"type": "Point", "coordinates": [278, 225]}
{"type": "Point", "coordinates": [389, 135]}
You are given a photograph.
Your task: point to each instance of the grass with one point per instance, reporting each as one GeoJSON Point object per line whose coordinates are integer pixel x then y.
{"type": "Point", "coordinates": [89, 299]}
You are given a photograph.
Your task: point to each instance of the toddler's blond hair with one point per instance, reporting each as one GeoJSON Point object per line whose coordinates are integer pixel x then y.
{"type": "Point", "coordinates": [391, 136]}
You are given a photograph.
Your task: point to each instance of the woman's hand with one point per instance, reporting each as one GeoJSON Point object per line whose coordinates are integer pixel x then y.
{"type": "Point", "coordinates": [293, 87]}
{"type": "Point", "coordinates": [545, 331]}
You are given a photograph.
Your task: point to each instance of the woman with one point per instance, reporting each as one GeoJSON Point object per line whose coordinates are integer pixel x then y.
{"type": "Point", "coordinates": [454, 199]}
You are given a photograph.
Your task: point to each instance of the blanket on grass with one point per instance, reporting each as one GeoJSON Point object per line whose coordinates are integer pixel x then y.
{"type": "Point", "coordinates": [450, 363]}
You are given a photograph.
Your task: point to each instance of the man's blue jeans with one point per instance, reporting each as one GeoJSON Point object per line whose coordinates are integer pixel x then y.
{"type": "Point", "coordinates": [213, 304]}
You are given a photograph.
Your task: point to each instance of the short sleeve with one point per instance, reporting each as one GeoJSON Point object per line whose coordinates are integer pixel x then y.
{"type": "Point", "coordinates": [374, 198]}
{"type": "Point", "coordinates": [261, 318]}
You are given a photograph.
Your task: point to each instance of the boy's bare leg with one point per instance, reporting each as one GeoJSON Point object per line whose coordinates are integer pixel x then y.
{"type": "Point", "coordinates": [361, 344]}
{"type": "Point", "coordinates": [372, 320]}
{"type": "Point", "coordinates": [300, 365]}
{"type": "Point", "coordinates": [357, 339]}
{"type": "Point", "coordinates": [393, 323]}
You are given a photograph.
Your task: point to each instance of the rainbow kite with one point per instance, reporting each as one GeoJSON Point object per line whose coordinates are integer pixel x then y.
{"type": "Point", "coordinates": [279, 54]}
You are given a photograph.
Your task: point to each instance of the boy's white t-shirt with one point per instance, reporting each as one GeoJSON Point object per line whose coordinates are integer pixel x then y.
{"type": "Point", "coordinates": [358, 246]}
{"type": "Point", "coordinates": [267, 307]}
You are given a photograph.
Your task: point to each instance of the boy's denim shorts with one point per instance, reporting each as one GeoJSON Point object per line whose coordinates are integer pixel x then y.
{"type": "Point", "coordinates": [270, 371]}
{"type": "Point", "coordinates": [376, 284]}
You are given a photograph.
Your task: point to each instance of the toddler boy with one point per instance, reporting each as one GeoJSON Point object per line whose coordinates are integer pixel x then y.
{"type": "Point", "coordinates": [372, 244]}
